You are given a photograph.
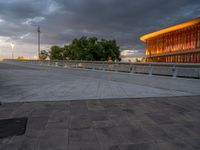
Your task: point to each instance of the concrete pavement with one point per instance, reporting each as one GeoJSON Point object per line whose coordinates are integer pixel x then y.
{"type": "Point", "coordinates": [164, 115]}
{"type": "Point", "coordinates": [38, 83]}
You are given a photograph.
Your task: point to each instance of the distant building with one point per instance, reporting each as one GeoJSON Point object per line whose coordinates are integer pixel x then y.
{"type": "Point", "coordinates": [179, 43]}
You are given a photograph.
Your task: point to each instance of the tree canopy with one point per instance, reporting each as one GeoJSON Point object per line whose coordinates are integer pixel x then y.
{"type": "Point", "coordinates": [43, 55]}
{"type": "Point", "coordinates": [87, 49]}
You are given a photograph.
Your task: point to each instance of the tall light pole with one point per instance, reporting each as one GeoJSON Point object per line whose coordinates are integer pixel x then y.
{"type": "Point", "coordinates": [12, 46]}
{"type": "Point", "coordinates": [1, 56]}
{"type": "Point", "coordinates": [38, 30]}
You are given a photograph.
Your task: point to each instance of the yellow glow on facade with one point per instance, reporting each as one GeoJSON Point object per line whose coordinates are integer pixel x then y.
{"type": "Point", "coordinates": [169, 29]}
{"type": "Point", "coordinates": [179, 43]}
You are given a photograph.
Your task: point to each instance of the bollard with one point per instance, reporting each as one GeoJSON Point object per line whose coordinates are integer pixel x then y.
{"type": "Point", "coordinates": [150, 70]}
{"type": "Point", "coordinates": [130, 68]}
{"type": "Point", "coordinates": [93, 66]}
{"type": "Point", "coordinates": [174, 71]}
{"type": "Point", "coordinates": [134, 69]}
{"type": "Point", "coordinates": [56, 64]}
{"type": "Point", "coordinates": [115, 67]}
{"type": "Point", "coordinates": [65, 66]}
{"type": "Point", "coordinates": [199, 74]}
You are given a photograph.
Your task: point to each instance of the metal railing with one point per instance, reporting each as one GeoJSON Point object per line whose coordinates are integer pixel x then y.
{"type": "Point", "coordinates": [187, 70]}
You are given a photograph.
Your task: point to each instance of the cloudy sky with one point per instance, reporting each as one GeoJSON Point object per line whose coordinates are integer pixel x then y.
{"type": "Point", "coordinates": [63, 20]}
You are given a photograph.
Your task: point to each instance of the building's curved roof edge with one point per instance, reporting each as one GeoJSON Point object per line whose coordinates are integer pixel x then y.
{"type": "Point", "coordinates": [171, 28]}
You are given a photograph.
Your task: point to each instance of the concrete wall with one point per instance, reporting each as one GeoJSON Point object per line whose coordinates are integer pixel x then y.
{"type": "Point", "coordinates": [163, 69]}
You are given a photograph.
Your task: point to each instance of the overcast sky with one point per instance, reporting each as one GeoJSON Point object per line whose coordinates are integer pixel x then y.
{"type": "Point", "coordinates": [63, 20]}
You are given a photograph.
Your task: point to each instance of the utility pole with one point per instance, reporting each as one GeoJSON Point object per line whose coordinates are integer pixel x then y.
{"type": "Point", "coordinates": [12, 54]}
{"type": "Point", "coordinates": [38, 30]}
{"type": "Point", "coordinates": [12, 46]}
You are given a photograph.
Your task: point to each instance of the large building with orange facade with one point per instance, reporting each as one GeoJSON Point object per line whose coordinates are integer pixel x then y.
{"type": "Point", "coordinates": [179, 43]}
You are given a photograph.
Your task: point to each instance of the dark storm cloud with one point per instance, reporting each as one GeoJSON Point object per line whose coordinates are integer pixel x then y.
{"type": "Point", "coordinates": [63, 20]}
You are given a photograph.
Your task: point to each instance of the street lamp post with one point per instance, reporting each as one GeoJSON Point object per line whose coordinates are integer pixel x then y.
{"type": "Point", "coordinates": [12, 54]}
{"type": "Point", "coordinates": [12, 46]}
{"type": "Point", "coordinates": [38, 30]}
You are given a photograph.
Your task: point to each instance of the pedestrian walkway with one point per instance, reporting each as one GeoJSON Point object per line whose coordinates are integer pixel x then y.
{"type": "Point", "coordinates": [25, 82]}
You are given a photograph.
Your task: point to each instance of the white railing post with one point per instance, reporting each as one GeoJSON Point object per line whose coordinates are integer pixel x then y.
{"type": "Point", "coordinates": [134, 69]}
{"type": "Point", "coordinates": [93, 66]}
{"type": "Point", "coordinates": [130, 68]}
{"type": "Point", "coordinates": [199, 74]}
{"type": "Point", "coordinates": [49, 63]}
{"type": "Point", "coordinates": [150, 69]}
{"type": "Point", "coordinates": [65, 66]}
{"type": "Point", "coordinates": [174, 71]}
{"type": "Point", "coordinates": [56, 64]}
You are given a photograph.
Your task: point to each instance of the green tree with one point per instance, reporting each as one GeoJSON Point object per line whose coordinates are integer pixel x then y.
{"type": "Point", "coordinates": [110, 50]}
{"type": "Point", "coordinates": [87, 49]}
{"type": "Point", "coordinates": [43, 55]}
{"type": "Point", "coordinates": [56, 53]}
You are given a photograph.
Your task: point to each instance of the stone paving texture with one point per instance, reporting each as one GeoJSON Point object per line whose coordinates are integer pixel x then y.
{"type": "Point", "coordinates": [24, 82]}
{"type": "Point", "coordinates": [170, 123]}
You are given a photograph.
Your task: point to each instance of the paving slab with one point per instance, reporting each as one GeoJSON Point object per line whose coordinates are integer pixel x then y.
{"type": "Point", "coordinates": [106, 124]}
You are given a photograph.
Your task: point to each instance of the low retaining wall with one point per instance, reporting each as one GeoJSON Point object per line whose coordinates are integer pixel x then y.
{"type": "Point", "coordinates": [163, 69]}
